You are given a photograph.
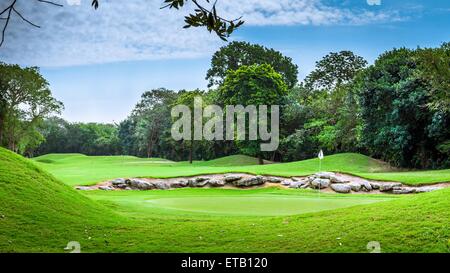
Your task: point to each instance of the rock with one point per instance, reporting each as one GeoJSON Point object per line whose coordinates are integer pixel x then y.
{"type": "Point", "coordinates": [336, 179]}
{"type": "Point", "coordinates": [201, 179]}
{"type": "Point", "coordinates": [118, 181]}
{"type": "Point", "coordinates": [232, 178]}
{"type": "Point", "coordinates": [324, 175]}
{"type": "Point", "coordinates": [427, 189]}
{"type": "Point", "coordinates": [216, 182]}
{"type": "Point", "coordinates": [388, 186]}
{"type": "Point", "coordinates": [355, 186]}
{"type": "Point", "coordinates": [197, 182]}
{"type": "Point", "coordinates": [140, 184]}
{"type": "Point", "coordinates": [161, 185]}
{"type": "Point", "coordinates": [272, 179]}
{"type": "Point", "coordinates": [179, 184]}
{"type": "Point", "coordinates": [120, 186]}
{"type": "Point", "coordinates": [320, 183]}
{"type": "Point", "coordinates": [375, 185]}
{"type": "Point", "coordinates": [287, 182]}
{"type": "Point", "coordinates": [304, 186]}
{"type": "Point", "coordinates": [341, 188]}
{"type": "Point", "coordinates": [106, 188]}
{"type": "Point", "coordinates": [365, 185]}
{"type": "Point", "coordinates": [82, 188]}
{"type": "Point", "coordinates": [403, 190]}
{"type": "Point", "coordinates": [295, 185]}
{"type": "Point", "coordinates": [250, 181]}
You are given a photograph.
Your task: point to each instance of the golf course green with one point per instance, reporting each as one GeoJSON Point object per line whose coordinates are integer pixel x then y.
{"type": "Point", "coordinates": [41, 211]}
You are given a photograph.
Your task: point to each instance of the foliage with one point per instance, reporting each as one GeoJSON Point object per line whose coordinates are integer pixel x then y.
{"type": "Point", "coordinates": [434, 66]}
{"type": "Point", "coordinates": [335, 69]}
{"type": "Point", "coordinates": [88, 138]}
{"type": "Point", "coordinates": [25, 101]}
{"type": "Point", "coordinates": [202, 17]}
{"type": "Point", "coordinates": [398, 125]}
{"type": "Point", "coordinates": [396, 110]}
{"type": "Point", "coordinates": [236, 54]}
{"type": "Point", "coordinates": [152, 117]}
{"type": "Point", "coordinates": [253, 85]}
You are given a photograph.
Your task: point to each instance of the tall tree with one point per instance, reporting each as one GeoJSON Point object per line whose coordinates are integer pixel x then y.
{"type": "Point", "coordinates": [334, 70]}
{"type": "Point", "coordinates": [253, 85]}
{"type": "Point", "coordinates": [435, 68]}
{"type": "Point", "coordinates": [152, 114]}
{"type": "Point", "coordinates": [236, 54]}
{"type": "Point", "coordinates": [187, 98]}
{"type": "Point", "coordinates": [26, 101]}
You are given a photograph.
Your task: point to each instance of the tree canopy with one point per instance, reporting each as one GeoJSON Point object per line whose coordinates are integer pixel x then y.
{"type": "Point", "coordinates": [335, 69]}
{"type": "Point", "coordinates": [236, 54]}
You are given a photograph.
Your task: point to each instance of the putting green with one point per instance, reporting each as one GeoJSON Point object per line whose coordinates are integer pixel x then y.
{"type": "Point", "coordinates": [256, 205]}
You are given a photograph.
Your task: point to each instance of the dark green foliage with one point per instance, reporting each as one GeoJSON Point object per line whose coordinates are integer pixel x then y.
{"type": "Point", "coordinates": [398, 125]}
{"type": "Point", "coordinates": [25, 101]}
{"type": "Point", "coordinates": [396, 110]}
{"type": "Point", "coordinates": [87, 138]}
{"type": "Point", "coordinates": [253, 85]}
{"type": "Point", "coordinates": [235, 54]}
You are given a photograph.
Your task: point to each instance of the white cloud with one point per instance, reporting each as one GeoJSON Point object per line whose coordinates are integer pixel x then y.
{"type": "Point", "coordinates": [140, 30]}
{"type": "Point", "coordinates": [73, 2]}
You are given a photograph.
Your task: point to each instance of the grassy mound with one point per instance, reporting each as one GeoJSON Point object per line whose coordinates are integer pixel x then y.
{"type": "Point", "coordinates": [38, 211]}
{"type": "Point", "coordinates": [232, 160]}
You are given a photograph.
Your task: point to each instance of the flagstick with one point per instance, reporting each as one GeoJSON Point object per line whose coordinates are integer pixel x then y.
{"type": "Point", "coordinates": [320, 168]}
{"type": "Point", "coordinates": [320, 156]}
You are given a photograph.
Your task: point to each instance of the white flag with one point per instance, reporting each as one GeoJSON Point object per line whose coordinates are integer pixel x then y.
{"type": "Point", "coordinates": [320, 155]}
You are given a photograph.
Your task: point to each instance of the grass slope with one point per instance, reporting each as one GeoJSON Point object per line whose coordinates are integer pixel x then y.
{"type": "Point", "coordinates": [232, 160]}
{"type": "Point", "coordinates": [37, 210]}
{"type": "Point", "coordinates": [40, 214]}
{"type": "Point", "coordinates": [85, 170]}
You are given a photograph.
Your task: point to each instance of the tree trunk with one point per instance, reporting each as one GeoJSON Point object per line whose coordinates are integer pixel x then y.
{"type": "Point", "coordinates": [273, 155]}
{"type": "Point", "coordinates": [260, 159]}
{"type": "Point", "coordinates": [149, 149]}
{"type": "Point", "coordinates": [151, 140]}
{"type": "Point", "coordinates": [191, 149]}
{"type": "Point", "coordinates": [1, 129]}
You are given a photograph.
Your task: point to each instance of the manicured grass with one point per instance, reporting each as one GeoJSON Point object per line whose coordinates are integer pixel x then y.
{"type": "Point", "coordinates": [84, 170]}
{"type": "Point", "coordinates": [41, 214]}
{"type": "Point", "coordinates": [235, 202]}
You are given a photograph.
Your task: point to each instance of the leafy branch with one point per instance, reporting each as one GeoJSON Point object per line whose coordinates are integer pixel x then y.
{"type": "Point", "coordinates": [11, 9]}
{"type": "Point", "coordinates": [203, 17]}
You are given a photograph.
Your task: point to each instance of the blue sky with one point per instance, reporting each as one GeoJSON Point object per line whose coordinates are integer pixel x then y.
{"type": "Point", "coordinates": [99, 62]}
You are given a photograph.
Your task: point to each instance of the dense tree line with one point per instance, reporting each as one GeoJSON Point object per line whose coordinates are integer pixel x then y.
{"type": "Point", "coordinates": [397, 109]}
